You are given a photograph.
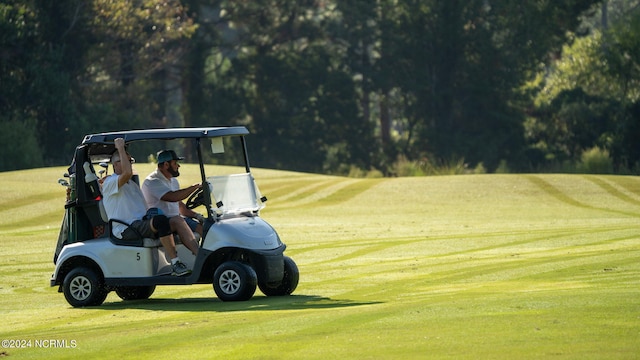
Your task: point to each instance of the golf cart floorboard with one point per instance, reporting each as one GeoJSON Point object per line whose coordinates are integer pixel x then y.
{"type": "Point", "coordinates": [165, 279]}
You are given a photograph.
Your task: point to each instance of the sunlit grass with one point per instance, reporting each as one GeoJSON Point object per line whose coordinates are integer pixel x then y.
{"type": "Point", "coordinates": [464, 267]}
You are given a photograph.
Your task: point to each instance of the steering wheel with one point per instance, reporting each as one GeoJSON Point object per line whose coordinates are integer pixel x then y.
{"type": "Point", "coordinates": [196, 199]}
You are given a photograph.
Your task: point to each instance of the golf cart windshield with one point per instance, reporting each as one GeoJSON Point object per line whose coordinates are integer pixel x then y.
{"type": "Point", "coordinates": [235, 194]}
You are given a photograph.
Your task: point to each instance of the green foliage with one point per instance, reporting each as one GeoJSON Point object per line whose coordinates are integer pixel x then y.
{"type": "Point", "coordinates": [286, 87]}
{"type": "Point", "coordinates": [327, 86]}
{"type": "Point", "coordinates": [146, 35]}
{"type": "Point", "coordinates": [480, 169]}
{"type": "Point", "coordinates": [579, 67]}
{"type": "Point", "coordinates": [503, 168]}
{"type": "Point", "coordinates": [20, 145]}
{"type": "Point", "coordinates": [596, 161]}
{"type": "Point", "coordinates": [622, 55]}
{"type": "Point", "coordinates": [356, 172]}
{"type": "Point", "coordinates": [427, 167]}
{"type": "Point", "coordinates": [572, 122]}
{"type": "Point", "coordinates": [590, 99]}
{"type": "Point", "coordinates": [466, 60]}
{"type": "Point", "coordinates": [34, 96]}
{"type": "Point", "coordinates": [404, 167]}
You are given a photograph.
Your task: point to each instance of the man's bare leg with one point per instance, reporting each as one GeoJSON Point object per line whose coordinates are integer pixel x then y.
{"type": "Point", "coordinates": [169, 246]}
{"type": "Point", "coordinates": [167, 242]}
{"type": "Point", "coordinates": [186, 235]}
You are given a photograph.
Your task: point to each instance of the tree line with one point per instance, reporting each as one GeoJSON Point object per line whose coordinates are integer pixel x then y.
{"type": "Point", "coordinates": [329, 86]}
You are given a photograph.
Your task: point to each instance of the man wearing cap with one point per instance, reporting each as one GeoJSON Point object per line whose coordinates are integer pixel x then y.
{"type": "Point", "coordinates": [161, 190]}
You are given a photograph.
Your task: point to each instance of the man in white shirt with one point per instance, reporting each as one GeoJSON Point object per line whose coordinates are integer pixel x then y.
{"type": "Point", "coordinates": [123, 200]}
{"type": "Point", "coordinates": [161, 190]}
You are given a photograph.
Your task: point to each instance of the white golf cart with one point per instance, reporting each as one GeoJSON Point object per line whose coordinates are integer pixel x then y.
{"type": "Point", "coordinates": [238, 252]}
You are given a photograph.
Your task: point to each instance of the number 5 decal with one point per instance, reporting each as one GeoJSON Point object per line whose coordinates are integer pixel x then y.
{"type": "Point", "coordinates": [138, 256]}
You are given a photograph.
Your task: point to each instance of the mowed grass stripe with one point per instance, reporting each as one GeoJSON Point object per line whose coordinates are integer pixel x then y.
{"type": "Point", "coordinates": [352, 189]}
{"type": "Point", "coordinates": [441, 246]}
{"type": "Point", "coordinates": [326, 193]}
{"type": "Point", "coordinates": [484, 263]}
{"type": "Point", "coordinates": [292, 188]}
{"type": "Point", "coordinates": [310, 193]}
{"type": "Point", "coordinates": [630, 184]}
{"type": "Point", "coordinates": [606, 186]}
{"type": "Point", "coordinates": [497, 266]}
{"type": "Point", "coordinates": [563, 196]}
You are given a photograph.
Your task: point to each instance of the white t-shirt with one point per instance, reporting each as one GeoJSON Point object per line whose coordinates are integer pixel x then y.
{"type": "Point", "coordinates": [154, 187]}
{"type": "Point", "coordinates": [125, 203]}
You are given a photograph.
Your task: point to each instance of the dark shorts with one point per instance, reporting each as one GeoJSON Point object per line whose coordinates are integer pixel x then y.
{"type": "Point", "coordinates": [193, 224]}
{"type": "Point", "coordinates": [137, 229]}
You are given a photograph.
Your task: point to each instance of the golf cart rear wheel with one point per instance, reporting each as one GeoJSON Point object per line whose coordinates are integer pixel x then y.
{"type": "Point", "coordinates": [83, 287]}
{"type": "Point", "coordinates": [289, 280]}
{"type": "Point", "coordinates": [135, 292]}
{"type": "Point", "coordinates": [234, 281]}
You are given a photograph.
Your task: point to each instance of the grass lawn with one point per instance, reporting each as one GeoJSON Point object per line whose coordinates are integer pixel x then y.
{"type": "Point", "coordinates": [451, 267]}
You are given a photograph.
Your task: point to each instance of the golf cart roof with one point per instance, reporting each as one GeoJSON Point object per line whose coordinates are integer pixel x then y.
{"type": "Point", "coordinates": [100, 146]}
{"type": "Point", "coordinates": [165, 134]}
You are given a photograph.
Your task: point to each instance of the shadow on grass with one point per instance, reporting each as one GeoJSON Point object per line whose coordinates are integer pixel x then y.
{"type": "Point", "coordinates": [261, 303]}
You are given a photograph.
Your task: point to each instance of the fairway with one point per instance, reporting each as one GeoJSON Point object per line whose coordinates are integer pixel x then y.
{"type": "Point", "coordinates": [449, 267]}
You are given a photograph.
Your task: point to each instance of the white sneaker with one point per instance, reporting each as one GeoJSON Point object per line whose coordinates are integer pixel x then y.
{"type": "Point", "coordinates": [180, 269]}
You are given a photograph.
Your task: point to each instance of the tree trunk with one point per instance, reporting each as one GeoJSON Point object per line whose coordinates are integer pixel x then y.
{"type": "Point", "coordinates": [173, 99]}
{"type": "Point", "coordinates": [385, 120]}
{"type": "Point", "coordinates": [605, 15]}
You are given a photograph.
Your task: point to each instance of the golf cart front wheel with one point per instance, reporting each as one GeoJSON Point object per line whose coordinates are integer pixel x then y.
{"type": "Point", "coordinates": [83, 287]}
{"type": "Point", "coordinates": [234, 281]}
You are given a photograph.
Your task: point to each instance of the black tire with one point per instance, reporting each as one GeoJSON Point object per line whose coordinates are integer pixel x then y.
{"type": "Point", "coordinates": [234, 281]}
{"type": "Point", "coordinates": [83, 287]}
{"type": "Point", "coordinates": [289, 280]}
{"type": "Point", "coordinates": [135, 292]}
